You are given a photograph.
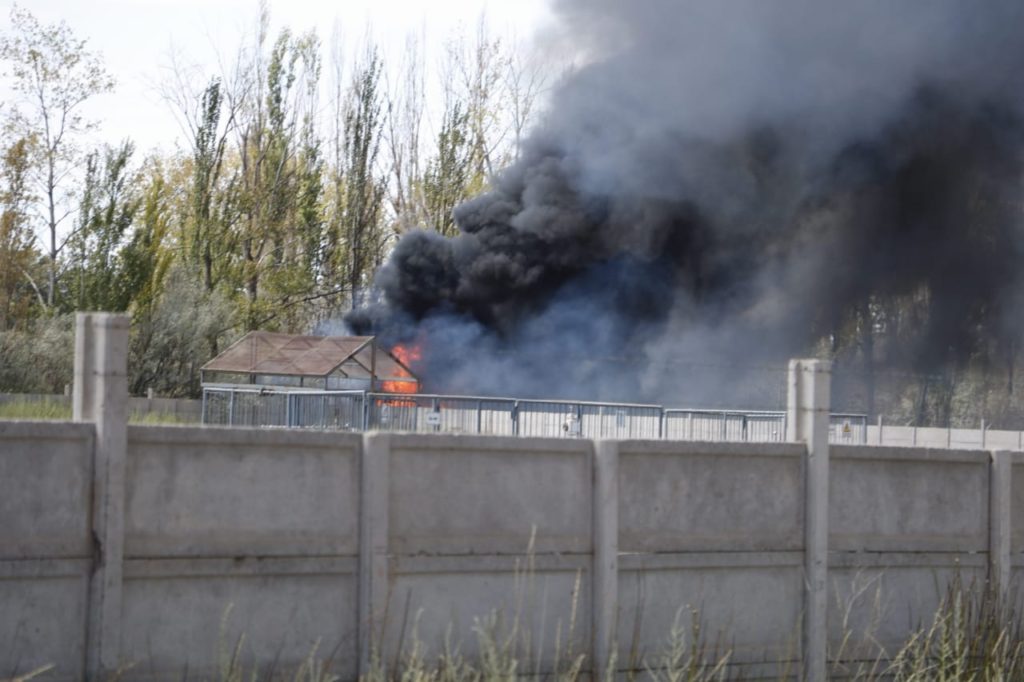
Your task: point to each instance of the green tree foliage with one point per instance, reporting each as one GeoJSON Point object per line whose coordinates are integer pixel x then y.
{"type": "Point", "coordinates": [53, 75]}
{"type": "Point", "coordinates": [280, 181]}
{"type": "Point", "coordinates": [169, 339]}
{"type": "Point", "coordinates": [477, 85]}
{"type": "Point", "coordinates": [259, 221]}
{"type": "Point", "coordinates": [103, 273]}
{"type": "Point", "coordinates": [38, 357]}
{"type": "Point", "coordinates": [145, 259]}
{"type": "Point", "coordinates": [207, 223]}
{"type": "Point", "coordinates": [447, 180]}
{"type": "Point", "coordinates": [358, 238]}
{"type": "Point", "coordinates": [19, 259]}
{"type": "Point", "coordinates": [489, 94]}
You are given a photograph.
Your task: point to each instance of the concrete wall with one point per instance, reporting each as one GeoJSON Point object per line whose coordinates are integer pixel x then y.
{"type": "Point", "coordinates": [268, 526]}
{"type": "Point", "coordinates": [360, 541]}
{"type": "Point", "coordinates": [714, 527]}
{"type": "Point", "coordinates": [934, 437]}
{"type": "Point", "coordinates": [167, 549]}
{"type": "Point", "coordinates": [903, 523]}
{"type": "Point", "coordinates": [46, 546]}
{"type": "Point", "coordinates": [476, 524]}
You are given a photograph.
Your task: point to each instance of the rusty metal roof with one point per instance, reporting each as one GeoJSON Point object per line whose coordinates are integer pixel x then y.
{"type": "Point", "coordinates": [294, 355]}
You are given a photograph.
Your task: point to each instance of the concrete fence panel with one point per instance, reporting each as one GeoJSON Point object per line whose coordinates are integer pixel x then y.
{"type": "Point", "coordinates": [46, 544]}
{"type": "Point", "coordinates": [540, 604]}
{"type": "Point", "coordinates": [480, 495]}
{"type": "Point", "coordinates": [203, 492]}
{"type": "Point", "coordinates": [1002, 440]}
{"type": "Point", "coordinates": [713, 528]}
{"type": "Point", "coordinates": [691, 497]}
{"type": "Point", "coordinates": [747, 604]}
{"type": "Point", "coordinates": [45, 490]}
{"type": "Point", "coordinates": [901, 499]}
{"type": "Point", "coordinates": [963, 438]}
{"type": "Point", "coordinates": [905, 524]}
{"type": "Point", "coordinates": [232, 534]}
{"type": "Point", "coordinates": [487, 537]}
{"type": "Point", "coordinates": [1016, 519]}
{"type": "Point", "coordinates": [933, 437]}
{"type": "Point", "coordinates": [879, 598]}
{"type": "Point", "coordinates": [191, 614]}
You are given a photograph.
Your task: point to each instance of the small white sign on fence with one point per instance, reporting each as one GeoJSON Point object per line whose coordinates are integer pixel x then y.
{"type": "Point", "coordinates": [434, 419]}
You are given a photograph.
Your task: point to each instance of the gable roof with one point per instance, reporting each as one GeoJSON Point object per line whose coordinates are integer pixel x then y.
{"type": "Point", "coordinates": [294, 355]}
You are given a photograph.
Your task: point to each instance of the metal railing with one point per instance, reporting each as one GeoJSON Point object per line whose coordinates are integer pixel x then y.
{"type": "Point", "coordinates": [724, 425]}
{"type": "Point", "coordinates": [361, 411]}
{"type": "Point", "coordinates": [325, 410]}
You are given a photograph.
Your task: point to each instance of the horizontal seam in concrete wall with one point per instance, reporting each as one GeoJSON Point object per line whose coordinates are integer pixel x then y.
{"type": "Point", "coordinates": [212, 435]}
{"type": "Point", "coordinates": [571, 540]}
{"type": "Point", "coordinates": [489, 563]}
{"type": "Point", "coordinates": [888, 453]}
{"type": "Point", "coordinates": [943, 547]}
{"type": "Point", "coordinates": [662, 561]}
{"type": "Point", "coordinates": [680, 447]}
{"type": "Point", "coordinates": [689, 545]}
{"type": "Point", "coordinates": [44, 568]}
{"type": "Point", "coordinates": [221, 554]}
{"type": "Point", "coordinates": [913, 543]}
{"type": "Point", "coordinates": [142, 569]}
{"type": "Point", "coordinates": [753, 668]}
{"type": "Point", "coordinates": [903, 559]}
{"type": "Point", "coordinates": [25, 552]}
{"type": "Point", "coordinates": [428, 441]}
{"type": "Point", "coordinates": [782, 458]}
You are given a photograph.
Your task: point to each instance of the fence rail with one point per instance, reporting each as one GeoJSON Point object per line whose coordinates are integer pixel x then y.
{"type": "Point", "coordinates": [421, 413]}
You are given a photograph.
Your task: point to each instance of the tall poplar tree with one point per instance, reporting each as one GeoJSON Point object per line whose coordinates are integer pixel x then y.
{"type": "Point", "coordinates": [53, 75]}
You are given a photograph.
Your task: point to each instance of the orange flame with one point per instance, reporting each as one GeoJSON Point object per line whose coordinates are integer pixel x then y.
{"type": "Point", "coordinates": [407, 355]}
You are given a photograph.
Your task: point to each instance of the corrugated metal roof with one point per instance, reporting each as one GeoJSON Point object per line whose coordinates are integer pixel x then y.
{"type": "Point", "coordinates": [294, 355]}
{"type": "Point", "coordinates": [389, 367]}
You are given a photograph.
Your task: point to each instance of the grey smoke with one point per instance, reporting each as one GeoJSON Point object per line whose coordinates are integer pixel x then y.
{"type": "Point", "coordinates": [725, 184]}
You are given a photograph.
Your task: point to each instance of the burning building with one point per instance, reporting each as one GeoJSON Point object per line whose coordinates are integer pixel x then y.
{"type": "Point", "coordinates": [326, 363]}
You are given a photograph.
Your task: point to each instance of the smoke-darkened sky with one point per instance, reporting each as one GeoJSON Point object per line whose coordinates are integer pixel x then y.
{"type": "Point", "coordinates": [728, 183]}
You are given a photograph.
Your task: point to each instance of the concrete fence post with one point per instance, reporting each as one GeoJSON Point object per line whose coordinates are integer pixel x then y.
{"type": "Point", "coordinates": [1000, 485]}
{"type": "Point", "coordinates": [809, 406]}
{"type": "Point", "coordinates": [100, 396]}
{"type": "Point", "coordinates": [374, 473]}
{"type": "Point", "coordinates": [605, 597]}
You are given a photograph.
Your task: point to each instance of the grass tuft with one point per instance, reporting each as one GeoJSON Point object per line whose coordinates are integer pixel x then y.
{"type": "Point", "coordinates": [51, 410]}
{"type": "Point", "coordinates": [35, 410]}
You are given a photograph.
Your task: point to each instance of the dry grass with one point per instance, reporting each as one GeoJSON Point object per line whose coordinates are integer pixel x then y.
{"type": "Point", "coordinates": [50, 410]}
{"type": "Point", "coordinates": [973, 637]}
{"type": "Point", "coordinates": [35, 410]}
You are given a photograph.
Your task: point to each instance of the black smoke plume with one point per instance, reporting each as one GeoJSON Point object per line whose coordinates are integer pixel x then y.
{"type": "Point", "coordinates": [731, 184]}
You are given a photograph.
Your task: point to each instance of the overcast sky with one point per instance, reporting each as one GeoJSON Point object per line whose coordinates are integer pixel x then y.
{"type": "Point", "coordinates": [135, 38]}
